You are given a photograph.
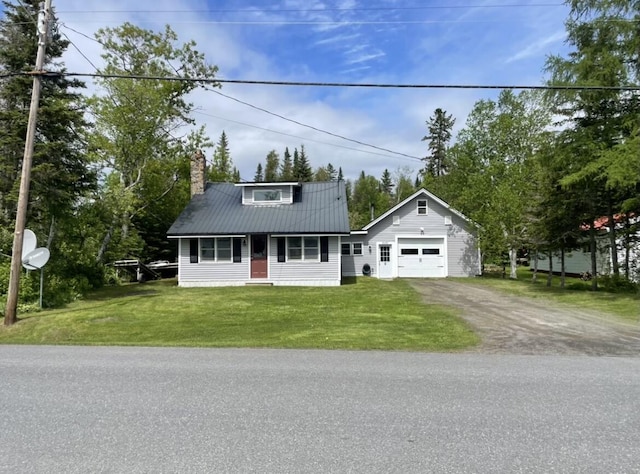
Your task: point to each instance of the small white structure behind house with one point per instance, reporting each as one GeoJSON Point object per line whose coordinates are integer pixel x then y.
{"type": "Point", "coordinates": [421, 237]}
{"type": "Point", "coordinates": [578, 262]}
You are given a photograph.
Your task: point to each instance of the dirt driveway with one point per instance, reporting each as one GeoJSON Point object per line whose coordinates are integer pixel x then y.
{"type": "Point", "coordinates": [517, 325]}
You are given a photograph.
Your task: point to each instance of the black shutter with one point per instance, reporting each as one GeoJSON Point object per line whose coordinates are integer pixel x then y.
{"type": "Point", "coordinates": [324, 249]}
{"type": "Point", "coordinates": [281, 249]}
{"type": "Point", "coordinates": [193, 250]}
{"type": "Point", "coordinates": [237, 250]}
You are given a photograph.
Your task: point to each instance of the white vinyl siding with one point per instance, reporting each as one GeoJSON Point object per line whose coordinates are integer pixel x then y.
{"type": "Point", "coordinates": [305, 270]}
{"type": "Point", "coordinates": [195, 273]}
{"type": "Point", "coordinates": [460, 251]}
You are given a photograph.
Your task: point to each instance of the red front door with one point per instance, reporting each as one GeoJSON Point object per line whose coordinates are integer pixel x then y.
{"type": "Point", "coordinates": [259, 256]}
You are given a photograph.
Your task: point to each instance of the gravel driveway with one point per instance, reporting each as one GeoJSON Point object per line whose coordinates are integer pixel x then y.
{"type": "Point", "coordinates": [518, 325]}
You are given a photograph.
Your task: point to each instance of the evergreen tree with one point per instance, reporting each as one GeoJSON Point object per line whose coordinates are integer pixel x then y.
{"type": "Point", "coordinates": [605, 123]}
{"type": "Point", "coordinates": [296, 165]}
{"type": "Point", "coordinates": [61, 175]}
{"type": "Point", "coordinates": [259, 176]}
{"type": "Point", "coordinates": [286, 171]}
{"type": "Point", "coordinates": [386, 183]}
{"type": "Point", "coordinates": [332, 172]}
{"type": "Point", "coordinates": [340, 175]}
{"type": "Point", "coordinates": [60, 172]}
{"type": "Point", "coordinates": [439, 134]}
{"type": "Point", "coordinates": [236, 175]}
{"type": "Point", "coordinates": [272, 166]}
{"type": "Point", "coordinates": [221, 169]}
{"type": "Point", "coordinates": [305, 172]}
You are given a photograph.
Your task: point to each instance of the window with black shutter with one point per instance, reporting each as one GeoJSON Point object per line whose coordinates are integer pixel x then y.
{"type": "Point", "coordinates": [324, 249]}
{"type": "Point", "coordinates": [193, 251]}
{"type": "Point", "coordinates": [237, 250]}
{"type": "Point", "coordinates": [282, 250]}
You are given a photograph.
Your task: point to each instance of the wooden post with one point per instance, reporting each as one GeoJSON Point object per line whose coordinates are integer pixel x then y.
{"type": "Point", "coordinates": [10, 315]}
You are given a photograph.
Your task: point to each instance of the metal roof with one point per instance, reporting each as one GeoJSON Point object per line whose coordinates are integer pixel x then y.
{"type": "Point", "coordinates": [219, 211]}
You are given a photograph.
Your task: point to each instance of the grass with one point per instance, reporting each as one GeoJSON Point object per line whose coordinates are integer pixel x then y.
{"type": "Point", "coordinates": [363, 315]}
{"type": "Point", "coordinates": [577, 293]}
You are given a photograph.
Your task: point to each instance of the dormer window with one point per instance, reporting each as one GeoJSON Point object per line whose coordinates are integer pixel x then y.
{"type": "Point", "coordinates": [267, 195]}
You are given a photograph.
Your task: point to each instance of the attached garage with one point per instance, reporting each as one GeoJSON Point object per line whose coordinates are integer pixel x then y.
{"type": "Point", "coordinates": [422, 257]}
{"type": "Point", "coordinates": [421, 237]}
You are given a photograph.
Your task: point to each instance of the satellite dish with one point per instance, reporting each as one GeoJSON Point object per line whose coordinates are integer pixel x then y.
{"type": "Point", "coordinates": [29, 242]}
{"type": "Point", "coordinates": [36, 259]}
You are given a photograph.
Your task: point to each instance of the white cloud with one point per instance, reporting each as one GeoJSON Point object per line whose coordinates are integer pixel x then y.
{"type": "Point", "coordinates": [537, 47]}
{"type": "Point", "coordinates": [458, 46]}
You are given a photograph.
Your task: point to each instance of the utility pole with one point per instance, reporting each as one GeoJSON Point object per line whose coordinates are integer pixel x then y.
{"type": "Point", "coordinates": [10, 315]}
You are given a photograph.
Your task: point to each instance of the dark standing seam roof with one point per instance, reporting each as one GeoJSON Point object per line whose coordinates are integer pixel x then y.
{"type": "Point", "coordinates": [219, 211]}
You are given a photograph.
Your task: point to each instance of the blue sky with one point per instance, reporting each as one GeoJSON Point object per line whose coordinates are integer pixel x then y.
{"type": "Point", "coordinates": [493, 42]}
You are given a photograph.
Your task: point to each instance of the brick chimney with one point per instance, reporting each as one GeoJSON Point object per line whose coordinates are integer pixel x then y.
{"type": "Point", "coordinates": [197, 173]}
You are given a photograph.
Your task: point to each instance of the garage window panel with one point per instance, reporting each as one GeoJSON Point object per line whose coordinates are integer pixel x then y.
{"type": "Point", "coordinates": [430, 251]}
{"type": "Point", "coordinates": [409, 252]}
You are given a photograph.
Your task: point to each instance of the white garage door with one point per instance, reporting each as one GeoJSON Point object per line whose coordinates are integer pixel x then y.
{"type": "Point", "coordinates": [421, 258]}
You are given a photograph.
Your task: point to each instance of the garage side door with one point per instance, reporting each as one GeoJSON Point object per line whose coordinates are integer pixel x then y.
{"type": "Point", "coordinates": [421, 258]}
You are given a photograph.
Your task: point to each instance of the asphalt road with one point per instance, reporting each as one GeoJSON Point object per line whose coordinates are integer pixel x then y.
{"type": "Point", "coordinates": [83, 409]}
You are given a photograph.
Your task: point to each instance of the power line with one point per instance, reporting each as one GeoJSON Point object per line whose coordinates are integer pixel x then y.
{"type": "Point", "coordinates": [205, 80]}
{"type": "Point", "coordinates": [291, 135]}
{"type": "Point", "coordinates": [315, 128]}
{"type": "Point", "coordinates": [324, 10]}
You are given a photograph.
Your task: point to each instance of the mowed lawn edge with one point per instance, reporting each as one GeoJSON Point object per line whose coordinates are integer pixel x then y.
{"type": "Point", "coordinates": [363, 314]}
{"type": "Point", "coordinates": [576, 294]}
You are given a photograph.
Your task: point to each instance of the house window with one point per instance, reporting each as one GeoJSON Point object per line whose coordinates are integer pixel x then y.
{"type": "Point", "coordinates": [215, 249]}
{"type": "Point", "coordinates": [447, 220]}
{"type": "Point", "coordinates": [345, 249]}
{"type": "Point", "coordinates": [223, 248]}
{"type": "Point", "coordinates": [303, 248]}
{"type": "Point", "coordinates": [311, 250]}
{"type": "Point", "coordinates": [357, 248]}
{"type": "Point", "coordinates": [422, 207]}
{"type": "Point", "coordinates": [396, 220]}
{"type": "Point", "coordinates": [267, 195]}
{"type": "Point", "coordinates": [207, 250]}
{"type": "Point", "coordinates": [294, 248]}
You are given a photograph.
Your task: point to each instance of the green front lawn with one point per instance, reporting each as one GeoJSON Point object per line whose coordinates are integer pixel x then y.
{"type": "Point", "coordinates": [363, 314]}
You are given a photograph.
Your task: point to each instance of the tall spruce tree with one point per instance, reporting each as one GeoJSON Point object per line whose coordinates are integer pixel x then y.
{"type": "Point", "coordinates": [61, 172]}
{"type": "Point", "coordinates": [259, 176]}
{"type": "Point", "coordinates": [286, 171]}
{"type": "Point", "coordinates": [221, 169]}
{"type": "Point", "coordinates": [439, 128]}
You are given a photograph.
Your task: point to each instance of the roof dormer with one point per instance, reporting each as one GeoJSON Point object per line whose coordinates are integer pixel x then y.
{"type": "Point", "coordinates": [270, 194]}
